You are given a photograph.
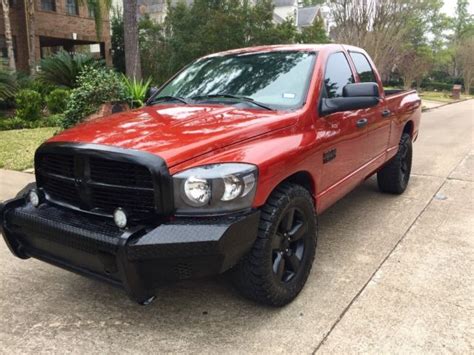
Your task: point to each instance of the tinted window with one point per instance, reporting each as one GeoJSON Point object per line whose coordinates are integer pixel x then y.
{"type": "Point", "coordinates": [338, 75]}
{"type": "Point", "coordinates": [366, 74]}
{"type": "Point", "coordinates": [277, 79]}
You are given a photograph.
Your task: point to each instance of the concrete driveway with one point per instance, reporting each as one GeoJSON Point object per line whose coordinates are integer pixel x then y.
{"type": "Point", "coordinates": [392, 274]}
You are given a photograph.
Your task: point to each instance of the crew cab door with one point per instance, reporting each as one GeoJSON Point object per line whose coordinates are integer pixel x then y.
{"type": "Point", "coordinates": [379, 117]}
{"type": "Point", "coordinates": [343, 135]}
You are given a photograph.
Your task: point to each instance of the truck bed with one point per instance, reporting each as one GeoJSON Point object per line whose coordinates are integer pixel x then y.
{"type": "Point", "coordinates": [404, 105]}
{"type": "Point", "coordinates": [391, 92]}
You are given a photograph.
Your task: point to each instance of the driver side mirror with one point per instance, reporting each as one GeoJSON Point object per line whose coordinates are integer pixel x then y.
{"type": "Point", "coordinates": [355, 96]}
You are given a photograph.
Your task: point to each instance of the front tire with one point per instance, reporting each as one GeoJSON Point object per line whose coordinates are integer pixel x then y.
{"type": "Point", "coordinates": [394, 177]}
{"type": "Point", "coordinates": [277, 267]}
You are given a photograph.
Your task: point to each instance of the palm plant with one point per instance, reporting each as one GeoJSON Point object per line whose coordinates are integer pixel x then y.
{"type": "Point", "coordinates": [62, 69]}
{"type": "Point", "coordinates": [136, 90]}
{"type": "Point", "coordinates": [8, 85]}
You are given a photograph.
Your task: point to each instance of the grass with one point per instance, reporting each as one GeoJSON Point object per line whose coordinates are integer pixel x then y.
{"type": "Point", "coordinates": [440, 96]}
{"type": "Point", "coordinates": [17, 147]}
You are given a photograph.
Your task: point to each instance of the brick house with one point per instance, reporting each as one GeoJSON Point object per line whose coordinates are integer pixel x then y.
{"type": "Point", "coordinates": [59, 24]}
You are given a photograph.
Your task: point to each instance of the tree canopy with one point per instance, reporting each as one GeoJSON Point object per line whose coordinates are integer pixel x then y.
{"type": "Point", "coordinates": [411, 41]}
{"type": "Point", "coordinates": [209, 26]}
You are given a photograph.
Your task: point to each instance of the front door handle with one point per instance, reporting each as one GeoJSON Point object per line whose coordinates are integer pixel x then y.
{"type": "Point", "coordinates": [386, 113]}
{"type": "Point", "coordinates": [362, 123]}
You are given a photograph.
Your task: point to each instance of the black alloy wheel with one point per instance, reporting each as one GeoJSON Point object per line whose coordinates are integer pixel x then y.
{"type": "Point", "coordinates": [278, 265]}
{"type": "Point", "coordinates": [395, 175]}
{"type": "Point", "coordinates": [289, 245]}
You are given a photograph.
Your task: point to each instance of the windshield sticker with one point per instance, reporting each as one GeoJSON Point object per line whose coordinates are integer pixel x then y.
{"type": "Point", "coordinates": [289, 95]}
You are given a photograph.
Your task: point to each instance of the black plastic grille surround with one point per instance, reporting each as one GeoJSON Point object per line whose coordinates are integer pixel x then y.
{"type": "Point", "coordinates": [99, 182]}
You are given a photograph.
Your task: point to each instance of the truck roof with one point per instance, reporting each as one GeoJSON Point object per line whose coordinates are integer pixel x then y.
{"type": "Point", "coordinates": [284, 47]}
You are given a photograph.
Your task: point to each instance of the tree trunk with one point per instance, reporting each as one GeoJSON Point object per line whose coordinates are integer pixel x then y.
{"type": "Point", "coordinates": [30, 14]}
{"type": "Point", "coordinates": [8, 35]}
{"type": "Point", "coordinates": [467, 83]}
{"type": "Point", "coordinates": [132, 51]}
{"type": "Point", "coordinates": [407, 82]}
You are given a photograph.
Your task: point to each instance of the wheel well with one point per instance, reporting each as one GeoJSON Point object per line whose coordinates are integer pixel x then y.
{"type": "Point", "coordinates": [408, 128]}
{"type": "Point", "coordinates": [302, 178]}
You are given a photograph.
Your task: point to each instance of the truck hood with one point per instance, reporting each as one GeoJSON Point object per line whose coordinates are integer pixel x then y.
{"type": "Point", "coordinates": [176, 132]}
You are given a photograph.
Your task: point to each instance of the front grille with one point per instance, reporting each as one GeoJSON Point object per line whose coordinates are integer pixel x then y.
{"type": "Point", "coordinates": [120, 173]}
{"type": "Point", "coordinates": [59, 164]}
{"type": "Point", "coordinates": [62, 190]}
{"type": "Point", "coordinates": [96, 184]}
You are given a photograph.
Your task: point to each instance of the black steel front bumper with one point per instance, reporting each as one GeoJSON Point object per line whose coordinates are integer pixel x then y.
{"type": "Point", "coordinates": [138, 259]}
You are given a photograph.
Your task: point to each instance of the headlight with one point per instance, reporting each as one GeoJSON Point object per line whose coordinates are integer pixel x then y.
{"type": "Point", "coordinates": [197, 191]}
{"type": "Point", "coordinates": [215, 189]}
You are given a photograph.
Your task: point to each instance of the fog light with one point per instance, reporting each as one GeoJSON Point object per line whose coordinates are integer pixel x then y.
{"type": "Point", "coordinates": [120, 218]}
{"type": "Point", "coordinates": [34, 198]}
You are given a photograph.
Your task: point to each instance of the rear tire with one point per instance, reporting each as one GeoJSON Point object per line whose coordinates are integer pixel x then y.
{"type": "Point", "coordinates": [277, 267]}
{"type": "Point", "coordinates": [394, 177]}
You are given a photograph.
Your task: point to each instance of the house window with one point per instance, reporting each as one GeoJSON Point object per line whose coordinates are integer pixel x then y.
{"type": "Point", "coordinates": [72, 7]}
{"type": "Point", "coordinates": [91, 11]}
{"type": "Point", "coordinates": [4, 51]}
{"type": "Point", "coordinates": [48, 5]}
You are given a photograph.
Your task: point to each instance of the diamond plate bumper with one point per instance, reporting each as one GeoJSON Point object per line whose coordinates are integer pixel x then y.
{"type": "Point", "coordinates": [138, 259]}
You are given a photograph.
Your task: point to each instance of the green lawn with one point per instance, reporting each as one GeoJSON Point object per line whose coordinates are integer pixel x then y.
{"type": "Point", "coordinates": [17, 147]}
{"type": "Point", "coordinates": [440, 96]}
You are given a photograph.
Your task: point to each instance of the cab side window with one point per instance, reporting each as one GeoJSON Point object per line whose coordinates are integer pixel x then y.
{"type": "Point", "coordinates": [362, 65]}
{"type": "Point", "coordinates": [338, 74]}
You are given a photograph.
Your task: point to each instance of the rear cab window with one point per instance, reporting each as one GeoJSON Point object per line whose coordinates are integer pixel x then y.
{"type": "Point", "coordinates": [338, 74]}
{"type": "Point", "coordinates": [363, 68]}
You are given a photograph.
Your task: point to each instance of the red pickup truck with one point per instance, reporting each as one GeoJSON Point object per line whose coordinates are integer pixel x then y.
{"type": "Point", "coordinates": [225, 169]}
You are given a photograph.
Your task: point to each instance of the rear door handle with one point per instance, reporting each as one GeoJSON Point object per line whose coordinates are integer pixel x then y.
{"type": "Point", "coordinates": [362, 123]}
{"type": "Point", "coordinates": [386, 113]}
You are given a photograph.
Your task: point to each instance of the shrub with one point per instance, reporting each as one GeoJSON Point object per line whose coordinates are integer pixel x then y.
{"type": "Point", "coordinates": [63, 69]}
{"type": "Point", "coordinates": [18, 123]}
{"type": "Point", "coordinates": [28, 105]}
{"type": "Point", "coordinates": [57, 100]}
{"type": "Point", "coordinates": [136, 90]}
{"type": "Point", "coordinates": [8, 85]}
{"type": "Point", "coordinates": [52, 121]}
{"type": "Point", "coordinates": [12, 123]}
{"type": "Point", "coordinates": [95, 87]}
{"type": "Point", "coordinates": [437, 86]}
{"type": "Point", "coordinates": [44, 89]}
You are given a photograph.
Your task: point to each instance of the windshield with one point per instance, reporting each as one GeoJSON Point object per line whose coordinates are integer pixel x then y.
{"type": "Point", "coordinates": [279, 80]}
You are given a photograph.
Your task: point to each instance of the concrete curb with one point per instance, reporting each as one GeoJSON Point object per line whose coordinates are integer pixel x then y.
{"type": "Point", "coordinates": [442, 105]}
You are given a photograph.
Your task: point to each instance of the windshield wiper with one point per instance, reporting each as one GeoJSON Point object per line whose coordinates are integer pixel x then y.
{"type": "Point", "coordinates": [168, 98]}
{"type": "Point", "coordinates": [236, 97]}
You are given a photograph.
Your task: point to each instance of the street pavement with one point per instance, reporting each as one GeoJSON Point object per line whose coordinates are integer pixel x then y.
{"type": "Point", "coordinates": [393, 274]}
